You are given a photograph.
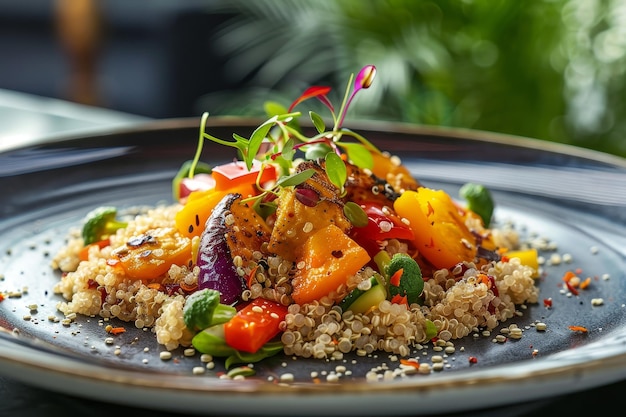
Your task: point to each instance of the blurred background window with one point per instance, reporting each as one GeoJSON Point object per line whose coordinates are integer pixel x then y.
{"type": "Point", "coordinates": [548, 69]}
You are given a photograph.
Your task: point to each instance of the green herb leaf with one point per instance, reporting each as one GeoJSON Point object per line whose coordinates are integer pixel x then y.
{"type": "Point", "coordinates": [318, 122]}
{"type": "Point", "coordinates": [359, 155]}
{"type": "Point", "coordinates": [431, 329]}
{"type": "Point", "coordinates": [295, 179]}
{"type": "Point", "coordinates": [288, 152]}
{"type": "Point", "coordinates": [273, 108]}
{"type": "Point", "coordinates": [267, 350]}
{"type": "Point", "coordinates": [241, 371]}
{"type": "Point", "coordinates": [317, 151]}
{"type": "Point", "coordinates": [264, 209]}
{"type": "Point", "coordinates": [355, 214]}
{"type": "Point", "coordinates": [336, 170]}
{"type": "Point", "coordinates": [259, 134]}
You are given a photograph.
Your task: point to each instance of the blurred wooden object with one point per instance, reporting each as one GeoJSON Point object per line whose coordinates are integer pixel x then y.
{"type": "Point", "coordinates": [79, 28]}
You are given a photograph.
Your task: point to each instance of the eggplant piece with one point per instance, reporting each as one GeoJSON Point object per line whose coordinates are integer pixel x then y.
{"type": "Point", "coordinates": [234, 229]}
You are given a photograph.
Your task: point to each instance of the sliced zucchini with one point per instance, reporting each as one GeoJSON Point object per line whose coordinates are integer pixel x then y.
{"type": "Point", "coordinates": [365, 296]}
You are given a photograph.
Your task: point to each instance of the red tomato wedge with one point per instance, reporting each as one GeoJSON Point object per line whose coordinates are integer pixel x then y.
{"type": "Point", "coordinates": [236, 173]}
{"type": "Point", "coordinates": [254, 325]}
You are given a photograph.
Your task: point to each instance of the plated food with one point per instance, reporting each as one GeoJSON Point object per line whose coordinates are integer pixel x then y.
{"type": "Point", "coordinates": [313, 243]}
{"type": "Point", "coordinates": [564, 201]}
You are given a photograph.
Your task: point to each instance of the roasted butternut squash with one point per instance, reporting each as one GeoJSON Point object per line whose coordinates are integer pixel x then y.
{"type": "Point", "coordinates": [329, 258]}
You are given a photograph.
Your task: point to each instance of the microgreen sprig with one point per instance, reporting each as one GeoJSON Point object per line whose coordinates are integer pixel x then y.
{"type": "Point", "coordinates": [284, 137]}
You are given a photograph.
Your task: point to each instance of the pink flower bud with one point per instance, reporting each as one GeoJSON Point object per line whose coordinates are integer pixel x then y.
{"type": "Point", "coordinates": [365, 78]}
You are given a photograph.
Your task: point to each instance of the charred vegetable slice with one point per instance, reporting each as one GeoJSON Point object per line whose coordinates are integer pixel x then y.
{"type": "Point", "coordinates": [233, 232]}
{"type": "Point", "coordinates": [150, 255]}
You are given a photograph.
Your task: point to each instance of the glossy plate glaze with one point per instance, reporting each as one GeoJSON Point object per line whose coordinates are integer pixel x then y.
{"type": "Point", "coordinates": [573, 197]}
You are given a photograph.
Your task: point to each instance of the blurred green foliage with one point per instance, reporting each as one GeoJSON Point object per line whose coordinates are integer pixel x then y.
{"type": "Point", "coordinates": [547, 69]}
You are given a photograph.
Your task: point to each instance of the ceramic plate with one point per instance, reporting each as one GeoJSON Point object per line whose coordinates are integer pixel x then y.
{"type": "Point", "coordinates": [571, 197]}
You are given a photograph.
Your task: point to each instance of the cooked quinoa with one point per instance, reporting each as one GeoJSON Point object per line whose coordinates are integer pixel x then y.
{"type": "Point", "coordinates": [457, 302]}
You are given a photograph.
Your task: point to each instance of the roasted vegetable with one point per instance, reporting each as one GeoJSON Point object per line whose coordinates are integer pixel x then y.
{"type": "Point", "coordinates": [203, 309]}
{"type": "Point", "coordinates": [329, 258]}
{"type": "Point", "coordinates": [528, 257]}
{"type": "Point", "coordinates": [100, 223]}
{"type": "Point", "coordinates": [382, 224]}
{"type": "Point", "coordinates": [405, 278]}
{"type": "Point", "coordinates": [191, 219]}
{"type": "Point", "coordinates": [150, 255]}
{"type": "Point", "coordinates": [478, 200]}
{"type": "Point", "coordinates": [393, 172]}
{"type": "Point", "coordinates": [233, 232]}
{"type": "Point", "coordinates": [212, 341]}
{"type": "Point", "coordinates": [369, 293]}
{"type": "Point", "coordinates": [236, 173]}
{"type": "Point", "coordinates": [441, 235]}
{"type": "Point", "coordinates": [254, 325]}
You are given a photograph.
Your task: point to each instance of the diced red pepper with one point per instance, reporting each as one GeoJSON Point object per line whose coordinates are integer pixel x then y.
{"type": "Point", "coordinates": [381, 225]}
{"type": "Point", "coordinates": [254, 325]}
{"type": "Point", "coordinates": [236, 173]}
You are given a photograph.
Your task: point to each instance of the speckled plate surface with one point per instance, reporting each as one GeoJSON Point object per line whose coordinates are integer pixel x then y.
{"type": "Point", "coordinates": [575, 198]}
